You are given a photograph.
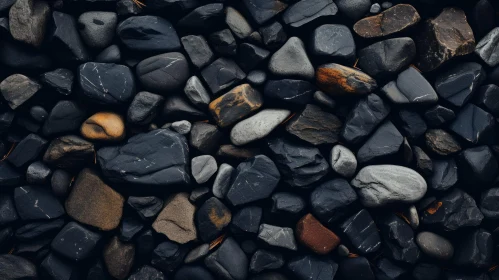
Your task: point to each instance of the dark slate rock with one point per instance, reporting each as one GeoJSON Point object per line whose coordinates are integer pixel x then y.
{"type": "Point", "coordinates": [444, 174]}
{"type": "Point", "coordinates": [37, 230]}
{"type": "Point", "coordinates": [65, 116]}
{"type": "Point", "coordinates": [58, 268]}
{"type": "Point", "coordinates": [167, 256]}
{"type": "Point", "coordinates": [211, 219]}
{"type": "Point", "coordinates": [311, 267]}
{"type": "Point", "coordinates": [144, 108]}
{"type": "Point", "coordinates": [273, 35]}
{"type": "Point", "coordinates": [474, 125]}
{"type": "Point", "coordinates": [455, 210]}
{"type": "Point", "coordinates": [6, 235]}
{"type": "Point", "coordinates": [362, 232]}
{"type": "Point", "coordinates": [198, 50]}
{"type": "Point", "coordinates": [413, 124]}
{"type": "Point", "coordinates": [163, 73]}
{"type": "Point", "coordinates": [9, 177]}
{"type": "Point", "coordinates": [147, 273]}
{"type": "Point", "coordinates": [364, 117]}
{"type": "Point", "coordinates": [332, 200]}
{"type": "Point", "coordinates": [223, 42]}
{"type": "Point", "coordinates": [135, 163]}
{"type": "Point", "coordinates": [144, 245]}
{"type": "Point", "coordinates": [17, 89]}
{"type": "Point", "coordinates": [111, 54]}
{"type": "Point", "coordinates": [255, 179]}
{"type": "Point", "coordinates": [38, 113]}
{"type": "Point", "coordinates": [204, 19]}
{"type": "Point", "coordinates": [306, 11]}
{"type": "Point", "coordinates": [197, 253]}
{"type": "Point", "coordinates": [426, 271]}
{"type": "Point", "coordinates": [385, 59]}
{"type": "Point", "coordinates": [299, 164]}
{"type": "Point", "coordinates": [356, 268]}
{"type": "Point", "coordinates": [333, 42]}
{"type": "Point", "coordinates": [193, 273]}
{"type": "Point", "coordinates": [60, 182]}
{"type": "Point", "coordinates": [483, 18]}
{"type": "Point", "coordinates": [8, 213]}
{"type": "Point", "coordinates": [387, 270]}
{"type": "Point", "coordinates": [478, 166]}
{"type": "Point", "coordinates": [75, 242]}
{"type": "Point", "coordinates": [17, 268]}
{"type": "Point", "coordinates": [64, 41]}
{"type": "Point", "coordinates": [354, 9]}
{"type": "Point", "coordinates": [199, 194]}
{"type": "Point", "coordinates": [488, 46]}
{"type": "Point", "coordinates": [205, 137]}
{"type": "Point", "coordinates": [131, 224]}
{"type": "Point", "coordinates": [60, 80]}
{"type": "Point", "coordinates": [177, 107]}
{"type": "Point", "coordinates": [410, 88]}
{"type": "Point", "coordinates": [247, 220]}
{"type": "Point", "coordinates": [38, 173]}
{"type": "Point", "coordinates": [488, 98]}
{"type": "Point", "coordinates": [146, 207]}
{"type": "Point", "coordinates": [265, 260]}
{"type": "Point", "coordinates": [197, 93]}
{"type": "Point", "coordinates": [290, 91]}
{"type": "Point", "coordinates": [438, 115]}
{"type": "Point", "coordinates": [106, 83]}
{"type": "Point", "coordinates": [475, 250]}
{"type": "Point", "coordinates": [6, 119]}
{"type": "Point", "coordinates": [281, 237]}
{"type": "Point", "coordinates": [34, 203]}
{"type": "Point", "coordinates": [287, 203]}
{"type": "Point", "coordinates": [399, 238]}
{"type": "Point", "coordinates": [148, 33]}
{"type": "Point", "coordinates": [458, 84]}
{"type": "Point", "coordinates": [27, 150]}
{"type": "Point", "coordinates": [228, 261]}
{"type": "Point", "coordinates": [384, 142]}
{"type": "Point", "coordinates": [263, 10]}
{"type": "Point", "coordinates": [223, 73]}
{"type": "Point", "coordinates": [69, 152]}
{"type": "Point", "coordinates": [489, 203]}
{"type": "Point", "coordinates": [250, 56]}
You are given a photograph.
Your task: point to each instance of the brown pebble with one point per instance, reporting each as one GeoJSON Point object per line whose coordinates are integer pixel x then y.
{"type": "Point", "coordinates": [104, 126]}
{"type": "Point", "coordinates": [441, 142]}
{"type": "Point", "coordinates": [314, 235]}
{"type": "Point", "coordinates": [119, 258]}
{"type": "Point", "coordinates": [339, 80]}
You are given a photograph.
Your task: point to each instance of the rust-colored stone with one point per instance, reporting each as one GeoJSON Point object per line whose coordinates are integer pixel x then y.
{"type": "Point", "coordinates": [443, 38]}
{"type": "Point", "coordinates": [393, 20]}
{"type": "Point", "coordinates": [104, 126]}
{"type": "Point", "coordinates": [94, 203]}
{"type": "Point", "coordinates": [235, 105]}
{"type": "Point", "coordinates": [339, 80]}
{"type": "Point", "coordinates": [315, 236]}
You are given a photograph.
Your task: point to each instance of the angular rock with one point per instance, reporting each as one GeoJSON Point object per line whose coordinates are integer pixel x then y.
{"type": "Point", "coordinates": [250, 56]}
{"type": "Point", "coordinates": [94, 203]}
{"type": "Point", "coordinates": [27, 150]}
{"type": "Point", "coordinates": [198, 50]}
{"type": "Point", "coordinates": [131, 224]}
{"type": "Point", "coordinates": [60, 80]}
{"type": "Point", "coordinates": [434, 45]}
{"type": "Point", "coordinates": [64, 40]}
{"type": "Point", "coordinates": [263, 10]}
{"type": "Point", "coordinates": [119, 258]}
{"type": "Point", "coordinates": [343, 161]}
{"type": "Point", "coordinates": [332, 200]}
{"type": "Point", "coordinates": [444, 174]}
{"type": "Point", "coordinates": [453, 211]}
{"type": "Point", "coordinates": [17, 268]}
{"type": "Point", "coordinates": [75, 242]}
{"type": "Point", "coordinates": [265, 260]}
{"type": "Point", "coordinates": [379, 185]}
{"type": "Point", "coordinates": [287, 203]}
{"type": "Point", "coordinates": [237, 23]}
{"type": "Point", "coordinates": [488, 203]}
{"type": "Point", "coordinates": [147, 207]}
{"type": "Point", "coordinates": [291, 60]}
{"type": "Point", "coordinates": [474, 125]}
{"type": "Point", "coordinates": [300, 164]}
{"type": "Point", "coordinates": [385, 269]}
{"type": "Point", "coordinates": [338, 80]}
{"type": "Point", "coordinates": [235, 105]}
{"type": "Point", "coordinates": [311, 267]}
{"type": "Point", "coordinates": [476, 250]}
{"type": "Point", "coordinates": [386, 141]}
{"type": "Point", "coordinates": [441, 142]}
{"type": "Point", "coordinates": [424, 164]}
{"type": "Point", "coordinates": [257, 126]}
{"type": "Point", "coordinates": [204, 19]}
{"type": "Point", "coordinates": [163, 73]}
{"type": "Point", "coordinates": [147, 272]}
{"type": "Point", "coordinates": [144, 108]}
{"type": "Point", "coordinates": [399, 238]}
{"type": "Point", "coordinates": [277, 236]}
{"type": "Point", "coordinates": [97, 28]}
{"type": "Point", "coordinates": [176, 220]}
{"type": "Point", "coordinates": [65, 116]}
{"type": "Point", "coordinates": [354, 9]}
{"type": "Point", "coordinates": [438, 115]}
{"type": "Point", "coordinates": [273, 35]}
{"type": "Point", "coordinates": [487, 98]}
{"type": "Point", "coordinates": [38, 173]}
{"type": "Point", "coordinates": [396, 19]}
{"type": "Point", "coordinates": [182, 127]}
{"type": "Point", "coordinates": [196, 93]}
{"type": "Point", "coordinates": [58, 268]}
{"type": "Point", "coordinates": [211, 219]}
{"type": "Point", "coordinates": [333, 42]}
{"type": "Point", "coordinates": [223, 180]}
{"type": "Point", "coordinates": [36, 230]}
{"type": "Point", "coordinates": [35, 203]}
{"type": "Point", "coordinates": [311, 233]}
{"type": "Point", "coordinates": [223, 42]}
{"type": "Point", "coordinates": [177, 107]}
{"type": "Point", "coordinates": [148, 34]}
{"type": "Point", "coordinates": [135, 163]}
{"type": "Point", "coordinates": [223, 73]}
{"type": "Point", "coordinates": [488, 47]}
{"type": "Point", "coordinates": [478, 166]}
{"type": "Point", "coordinates": [104, 126]}
{"type": "Point", "coordinates": [361, 230]}
{"type": "Point", "coordinates": [69, 152]}
{"type": "Point", "coordinates": [306, 11]}
{"type": "Point", "coordinates": [28, 20]}
{"type": "Point", "coordinates": [357, 268]}
{"type": "Point", "coordinates": [17, 89]}
{"type": "Point", "coordinates": [410, 88]}
{"type": "Point", "coordinates": [228, 261]}
{"type": "Point", "coordinates": [289, 91]}
{"type": "Point", "coordinates": [8, 213]}
{"type": "Point", "coordinates": [247, 220]}
{"type": "Point", "coordinates": [435, 246]}
{"type": "Point", "coordinates": [205, 137]}
{"type": "Point", "coordinates": [111, 54]}
{"type": "Point", "coordinates": [412, 124]}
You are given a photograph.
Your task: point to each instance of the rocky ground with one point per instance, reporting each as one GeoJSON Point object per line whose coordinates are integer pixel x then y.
{"type": "Point", "coordinates": [249, 139]}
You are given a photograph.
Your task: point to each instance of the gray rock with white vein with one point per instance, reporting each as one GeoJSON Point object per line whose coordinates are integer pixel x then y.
{"type": "Point", "coordinates": [343, 161]}
{"type": "Point", "coordinates": [277, 236]}
{"type": "Point", "coordinates": [488, 48]}
{"type": "Point", "coordinates": [182, 127]}
{"type": "Point", "coordinates": [97, 28]}
{"type": "Point", "coordinates": [222, 181]}
{"type": "Point", "coordinates": [203, 167]}
{"type": "Point", "coordinates": [196, 92]}
{"type": "Point", "coordinates": [237, 23]}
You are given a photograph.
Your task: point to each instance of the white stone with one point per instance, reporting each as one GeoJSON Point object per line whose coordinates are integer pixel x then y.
{"type": "Point", "coordinates": [257, 126]}
{"type": "Point", "coordinates": [343, 161]}
{"type": "Point", "coordinates": [203, 167]}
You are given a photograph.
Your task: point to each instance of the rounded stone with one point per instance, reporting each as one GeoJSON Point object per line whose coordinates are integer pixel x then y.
{"type": "Point", "coordinates": [104, 126]}
{"type": "Point", "coordinates": [435, 245]}
{"type": "Point", "coordinates": [163, 73]}
{"type": "Point", "coordinates": [203, 167]}
{"type": "Point", "coordinates": [97, 28]}
{"type": "Point", "coordinates": [257, 126]}
{"type": "Point", "coordinates": [343, 161]}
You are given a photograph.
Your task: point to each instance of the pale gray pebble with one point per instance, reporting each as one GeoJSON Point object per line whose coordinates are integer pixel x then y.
{"type": "Point", "coordinates": [237, 23]}
{"type": "Point", "coordinates": [197, 253]}
{"type": "Point", "coordinates": [324, 99]}
{"type": "Point", "coordinates": [257, 126]}
{"type": "Point", "coordinates": [386, 5]}
{"type": "Point", "coordinates": [111, 54]}
{"type": "Point", "coordinates": [277, 236]}
{"type": "Point", "coordinates": [292, 60]}
{"type": "Point", "coordinates": [257, 77]}
{"type": "Point", "coordinates": [38, 173]}
{"type": "Point", "coordinates": [222, 181]}
{"type": "Point", "coordinates": [98, 28]}
{"type": "Point", "coordinates": [203, 167]}
{"type": "Point", "coordinates": [343, 251]}
{"type": "Point", "coordinates": [182, 127]}
{"type": "Point", "coordinates": [375, 8]}
{"type": "Point", "coordinates": [196, 92]}
{"type": "Point", "coordinates": [413, 217]}
{"type": "Point", "coordinates": [343, 161]}
{"type": "Point", "coordinates": [488, 48]}
{"type": "Point", "coordinates": [435, 245]}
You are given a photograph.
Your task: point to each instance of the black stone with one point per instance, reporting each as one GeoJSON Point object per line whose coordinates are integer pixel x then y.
{"type": "Point", "coordinates": [198, 50]}
{"type": "Point", "coordinates": [333, 42]}
{"type": "Point", "coordinates": [475, 250]}
{"type": "Point", "coordinates": [454, 275]}
{"type": "Point", "coordinates": [36, 203]}
{"type": "Point", "coordinates": [332, 200]}
{"type": "Point", "coordinates": [290, 91]}
{"type": "Point", "coordinates": [413, 124]}
{"type": "Point", "coordinates": [97, 271]}
{"type": "Point", "coordinates": [489, 203]}
{"type": "Point", "coordinates": [306, 11]}
{"type": "Point", "coordinates": [458, 84]}
{"type": "Point", "coordinates": [265, 260]}
{"type": "Point", "coordinates": [16, 268]}
{"type": "Point", "coordinates": [223, 42]}
{"type": "Point", "coordinates": [164, 72]}
{"type": "Point", "coordinates": [488, 98]}
{"type": "Point", "coordinates": [111, 54]}
{"type": "Point", "coordinates": [129, 227]}
{"type": "Point", "coordinates": [222, 74]}
{"type": "Point", "coordinates": [134, 162]}
{"type": "Point", "coordinates": [251, 56]}
{"type": "Point", "coordinates": [144, 245]}
{"type": "Point", "coordinates": [264, 10]}
{"type": "Point", "coordinates": [255, 179]}
{"type": "Point", "coordinates": [438, 115]}
{"type": "Point", "coordinates": [399, 238]}
{"type": "Point", "coordinates": [299, 164]}
{"type": "Point", "coordinates": [6, 235]}
{"type": "Point", "coordinates": [27, 150]}
{"type": "Point", "coordinates": [311, 267]}
{"type": "Point", "coordinates": [204, 19]}
{"type": "Point", "coordinates": [144, 108]}
{"type": "Point", "coordinates": [273, 35]}
{"type": "Point", "coordinates": [106, 83]}
{"type": "Point", "coordinates": [228, 261]}
{"type": "Point", "coordinates": [361, 231]}
{"type": "Point", "coordinates": [180, 108]}
{"type": "Point", "coordinates": [69, 152]}
{"type": "Point", "coordinates": [8, 212]}
{"type": "Point", "coordinates": [146, 207]}
{"type": "Point", "coordinates": [474, 125]}
{"type": "Point", "coordinates": [192, 273]}
{"type": "Point", "coordinates": [211, 219]}
{"type": "Point", "coordinates": [354, 9]}
{"type": "Point", "coordinates": [9, 177]}
{"type": "Point", "coordinates": [6, 119]}
{"type": "Point", "coordinates": [205, 137]}
{"type": "Point", "coordinates": [61, 80]}
{"type": "Point", "coordinates": [59, 269]}
{"type": "Point", "coordinates": [410, 87]}
{"type": "Point", "coordinates": [38, 173]}
{"type": "Point", "coordinates": [426, 271]}
{"type": "Point", "coordinates": [37, 230]}
{"type": "Point", "coordinates": [383, 143]}
{"type": "Point", "coordinates": [167, 256]}
{"type": "Point", "coordinates": [478, 166]}
{"type": "Point", "coordinates": [387, 270]}
{"type": "Point", "coordinates": [199, 194]}
{"type": "Point", "coordinates": [76, 242]}
{"type": "Point", "coordinates": [424, 163]}
{"type": "Point", "coordinates": [66, 116]}
{"type": "Point", "coordinates": [444, 175]}
{"type": "Point", "coordinates": [64, 39]}
{"type": "Point", "coordinates": [148, 34]}
{"type": "Point", "coordinates": [247, 220]}
{"type": "Point", "coordinates": [364, 117]}
{"type": "Point", "coordinates": [147, 273]}
{"type": "Point", "coordinates": [38, 113]}
{"type": "Point", "coordinates": [356, 268]}
{"type": "Point", "coordinates": [287, 203]}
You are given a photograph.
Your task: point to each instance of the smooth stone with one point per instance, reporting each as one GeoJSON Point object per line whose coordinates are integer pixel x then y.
{"type": "Point", "coordinates": [413, 217]}
{"type": "Point", "coordinates": [97, 28]}
{"type": "Point", "coordinates": [287, 203]}
{"type": "Point", "coordinates": [291, 60]}
{"type": "Point", "coordinates": [205, 137]}
{"type": "Point", "coordinates": [488, 203]}
{"type": "Point", "coordinates": [281, 237]}
{"type": "Point", "coordinates": [487, 98]}
{"type": "Point", "coordinates": [197, 253]}
{"type": "Point", "coordinates": [167, 256]}
{"type": "Point", "coordinates": [144, 107]}
{"type": "Point", "coordinates": [441, 142]}
{"type": "Point", "coordinates": [13, 267]}
{"type": "Point", "coordinates": [273, 35]}
{"type": "Point", "coordinates": [198, 50]}
{"type": "Point", "coordinates": [257, 77]}
{"type": "Point", "coordinates": [130, 162]}
{"type": "Point", "coordinates": [38, 113]}
{"type": "Point", "coordinates": [339, 80]}
{"type": "Point", "coordinates": [148, 34]}
{"type": "Point", "coordinates": [323, 99]}
{"type": "Point", "coordinates": [222, 181]}
{"type": "Point", "coordinates": [396, 19]}
{"type": "Point", "coordinates": [354, 9]}
{"type": "Point", "coordinates": [265, 260]}
{"type": "Point", "coordinates": [75, 242]}
{"type": "Point", "coordinates": [63, 40]}
{"type": "Point", "coordinates": [118, 258]}
{"type": "Point", "coordinates": [8, 213]}
{"type": "Point", "coordinates": [289, 91]}
{"type": "Point", "coordinates": [147, 207]}
{"type": "Point", "coordinates": [38, 173]}
{"type": "Point", "coordinates": [311, 267]}
{"type": "Point", "coordinates": [424, 164]}
{"type": "Point", "coordinates": [399, 239]}
{"type": "Point", "coordinates": [247, 220]}
{"type": "Point", "coordinates": [386, 141]}
{"type": "Point", "coordinates": [474, 125]}
{"type": "Point", "coordinates": [27, 150]}
{"type": "Point", "coordinates": [398, 184]}
{"type": "Point", "coordinates": [306, 11]}
{"type": "Point", "coordinates": [375, 8]}
{"type": "Point", "coordinates": [438, 115]}
{"type": "Point", "coordinates": [458, 84]}
{"type": "Point", "coordinates": [193, 273]}
{"type": "Point", "coordinates": [311, 233]}
{"type": "Point", "coordinates": [130, 225]}
{"type": "Point", "coordinates": [357, 268]}
{"type": "Point", "coordinates": [94, 203]}
{"type": "Point", "coordinates": [255, 179]}
{"type": "Point", "coordinates": [17, 89]}
{"type": "Point", "coordinates": [237, 23]}
{"type": "Point", "coordinates": [263, 10]}
{"type": "Point", "coordinates": [444, 175]}
{"type": "Point", "coordinates": [147, 272]}
{"type": "Point", "coordinates": [251, 56]}
{"type": "Point", "coordinates": [361, 230]}
{"type": "Point", "coordinates": [35, 203]}
{"type": "Point", "coordinates": [59, 268]}
{"type": "Point", "coordinates": [476, 250]}
{"type": "Point", "coordinates": [332, 200]}
{"type": "Point", "coordinates": [478, 166]}
{"type": "Point", "coordinates": [28, 20]}
{"type": "Point", "coordinates": [410, 88]}
{"type": "Point", "coordinates": [163, 73]}
{"type": "Point", "coordinates": [211, 219]}
{"type": "Point", "coordinates": [435, 47]}
{"type": "Point", "coordinates": [176, 220]}
{"type": "Point", "coordinates": [65, 116]}
{"type": "Point", "coordinates": [488, 47]}
{"type": "Point", "coordinates": [386, 269]}
{"type": "Point", "coordinates": [60, 79]}
{"type": "Point", "coordinates": [205, 18]}
{"type": "Point", "coordinates": [69, 152]}
{"type": "Point", "coordinates": [435, 245]}
{"type": "Point", "coordinates": [182, 127]}
{"type": "Point", "coordinates": [203, 167]}
{"type": "Point", "coordinates": [223, 42]}
{"type": "Point", "coordinates": [257, 126]}
{"type": "Point", "coordinates": [196, 92]}
{"type": "Point", "coordinates": [221, 74]}
{"type": "Point", "coordinates": [104, 126]}
{"type": "Point", "coordinates": [412, 123]}
{"type": "Point", "coordinates": [111, 54]}
{"type": "Point", "coordinates": [387, 58]}
{"type": "Point", "coordinates": [228, 261]}
{"type": "Point", "coordinates": [36, 230]}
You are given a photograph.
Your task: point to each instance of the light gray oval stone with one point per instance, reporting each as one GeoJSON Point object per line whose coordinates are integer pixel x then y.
{"type": "Point", "coordinates": [222, 181]}
{"type": "Point", "coordinates": [182, 127]}
{"type": "Point", "coordinates": [203, 167]}
{"type": "Point", "coordinates": [343, 161]}
{"type": "Point", "coordinates": [257, 126]}
{"type": "Point", "coordinates": [291, 60]}
{"type": "Point", "coordinates": [435, 245]}
{"type": "Point", "coordinates": [98, 28]}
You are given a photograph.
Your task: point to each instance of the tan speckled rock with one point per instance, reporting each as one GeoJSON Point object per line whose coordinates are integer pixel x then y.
{"type": "Point", "coordinates": [104, 126]}
{"type": "Point", "coordinates": [119, 258]}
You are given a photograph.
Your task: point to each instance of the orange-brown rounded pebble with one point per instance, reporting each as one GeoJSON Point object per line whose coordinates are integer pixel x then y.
{"type": "Point", "coordinates": [315, 236]}
{"type": "Point", "coordinates": [104, 126]}
{"type": "Point", "coordinates": [340, 80]}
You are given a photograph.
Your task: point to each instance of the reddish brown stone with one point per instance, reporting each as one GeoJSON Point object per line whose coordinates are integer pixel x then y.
{"type": "Point", "coordinates": [443, 38]}
{"type": "Point", "coordinates": [315, 236]}
{"type": "Point", "coordinates": [393, 20]}
{"type": "Point", "coordinates": [340, 80]}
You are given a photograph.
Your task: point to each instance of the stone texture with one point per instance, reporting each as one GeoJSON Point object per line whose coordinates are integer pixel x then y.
{"type": "Point", "coordinates": [333, 42]}
{"type": "Point", "coordinates": [75, 242]}
{"type": "Point", "coordinates": [257, 126]}
{"type": "Point", "coordinates": [306, 11]}
{"type": "Point", "coordinates": [211, 219]}
{"type": "Point", "coordinates": [339, 80]}
{"type": "Point", "coordinates": [35, 203]}
{"type": "Point", "coordinates": [311, 267]}
{"type": "Point", "coordinates": [69, 152]}
{"type": "Point", "coordinates": [315, 236]}
{"type": "Point", "coordinates": [391, 21]}
{"type": "Point", "coordinates": [399, 238]}
{"type": "Point", "coordinates": [237, 23]}
{"type": "Point", "coordinates": [410, 88]}
{"type": "Point", "coordinates": [17, 89]}
{"type": "Point", "coordinates": [64, 41]}
{"type": "Point", "coordinates": [65, 116]}
{"type": "Point", "coordinates": [385, 142]}
{"type": "Point", "coordinates": [60, 79]}
{"type": "Point", "coordinates": [164, 72]}
{"type": "Point", "coordinates": [176, 220]}
{"type": "Point", "coordinates": [354, 9]}
{"type": "Point", "coordinates": [361, 230]}
{"type": "Point", "coordinates": [203, 167]}
{"type": "Point", "coordinates": [13, 267]}
{"type": "Point", "coordinates": [198, 50]}
{"type": "Point", "coordinates": [228, 261]}
{"type": "Point", "coordinates": [144, 108]}
{"type": "Point", "coordinates": [104, 126]}
{"type": "Point", "coordinates": [97, 29]}
{"type": "Point", "coordinates": [277, 236]}
{"type": "Point", "coordinates": [28, 20]}
{"type": "Point", "coordinates": [197, 94]}
{"type": "Point", "coordinates": [221, 74]}
{"type": "Point", "coordinates": [474, 125]}
{"type": "Point", "coordinates": [205, 137]}
{"type": "Point", "coordinates": [264, 10]}
{"type": "Point", "coordinates": [289, 91]}
{"type": "Point", "coordinates": [222, 181]}
{"type": "Point", "coordinates": [435, 246]}
{"type": "Point", "coordinates": [291, 60]}
{"type": "Point", "coordinates": [488, 47]}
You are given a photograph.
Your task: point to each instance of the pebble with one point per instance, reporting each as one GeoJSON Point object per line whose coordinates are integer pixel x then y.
{"type": "Point", "coordinates": [263, 10]}
{"type": "Point", "coordinates": [478, 165]}
{"type": "Point", "coordinates": [104, 126]}
{"type": "Point", "coordinates": [488, 203]}
{"type": "Point", "coordinates": [144, 107]}
{"type": "Point", "coordinates": [8, 213]}
{"type": "Point", "coordinates": [383, 143]}
{"type": "Point", "coordinates": [27, 21]}
{"type": "Point", "coordinates": [375, 8]}
{"type": "Point", "coordinates": [38, 113]}
{"type": "Point", "coordinates": [399, 238]}
{"type": "Point", "coordinates": [315, 236]}
{"type": "Point", "coordinates": [223, 42]}
{"type": "Point", "coordinates": [251, 56]}
{"type": "Point", "coordinates": [435, 245]}
{"type": "Point", "coordinates": [438, 115]}
{"type": "Point", "coordinates": [257, 77]}
{"type": "Point", "coordinates": [444, 174]}
{"type": "Point", "coordinates": [17, 89]}
{"type": "Point", "coordinates": [291, 60]}
{"type": "Point", "coordinates": [203, 167]}
{"type": "Point", "coordinates": [38, 173]}
{"type": "Point", "coordinates": [391, 21]}
{"type": "Point", "coordinates": [311, 267]}
{"type": "Point", "coordinates": [148, 33]}
{"type": "Point", "coordinates": [426, 271]}
{"type": "Point", "coordinates": [482, 18]}
{"type": "Point", "coordinates": [332, 200]}
{"type": "Point", "coordinates": [343, 161]}
{"type": "Point", "coordinates": [222, 181]}
{"type": "Point", "coordinates": [75, 242]}
{"type": "Point", "coordinates": [211, 219]}
{"type": "Point", "coordinates": [413, 125]}
{"type": "Point", "coordinates": [35, 203]}
{"type": "Point", "coordinates": [281, 237]}
{"type": "Point", "coordinates": [65, 116]}
{"type": "Point", "coordinates": [27, 150]}
{"type": "Point", "coordinates": [58, 268]}
{"type": "Point", "coordinates": [60, 79]}
{"type": "Point", "coordinates": [237, 23]}
{"type": "Point", "coordinates": [474, 125]}
{"type": "Point", "coordinates": [197, 253]}
{"type": "Point", "coordinates": [111, 54]}
{"type": "Point", "coordinates": [182, 127]}
{"type": "Point", "coordinates": [228, 261]}
{"type": "Point", "coordinates": [198, 50]}
{"type": "Point", "coordinates": [355, 9]}
{"type": "Point", "coordinates": [119, 258]}
{"type": "Point", "coordinates": [69, 152]}
{"type": "Point", "coordinates": [306, 11]}
{"type": "Point", "coordinates": [324, 99]}
{"type": "Point", "coordinates": [289, 91]}
{"type": "Point", "coordinates": [163, 73]}
{"type": "Point", "coordinates": [386, 269]}
{"type": "Point", "coordinates": [212, 75]}
{"type": "Point", "coordinates": [247, 220]}
{"type": "Point", "coordinates": [476, 250]}
{"type": "Point", "coordinates": [487, 98]}
{"type": "Point", "coordinates": [356, 267]}
{"type": "Point", "coordinates": [441, 142]}
{"type": "Point", "coordinates": [287, 203]}
{"type": "Point", "coordinates": [488, 47]}
{"type": "Point", "coordinates": [196, 92]}
{"type": "Point", "coordinates": [362, 232]}
{"type": "Point", "coordinates": [410, 88]}
{"type": "Point", "coordinates": [97, 29]}
{"type": "Point", "coordinates": [257, 126]}
{"type": "Point", "coordinates": [424, 163]}
{"type": "Point", "coordinates": [205, 18]}
{"type": "Point", "coordinates": [167, 256]}
{"type": "Point", "coordinates": [205, 137]}
{"type": "Point", "coordinates": [273, 35]}
{"type": "Point", "coordinates": [147, 272]}
{"type": "Point", "coordinates": [339, 80]}
{"type": "Point", "coordinates": [34, 230]}
{"type": "Point", "coordinates": [265, 260]}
